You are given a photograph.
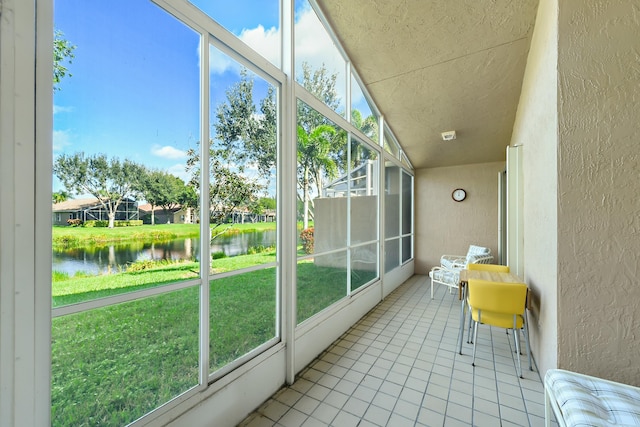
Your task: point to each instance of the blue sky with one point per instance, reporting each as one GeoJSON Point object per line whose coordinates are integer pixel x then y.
{"type": "Point", "coordinates": [133, 93]}
{"type": "Point", "coordinates": [134, 89]}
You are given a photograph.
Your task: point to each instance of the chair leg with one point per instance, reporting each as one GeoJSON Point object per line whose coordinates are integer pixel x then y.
{"type": "Point", "coordinates": [516, 336]}
{"type": "Point", "coordinates": [469, 339]}
{"type": "Point", "coordinates": [475, 341]}
{"type": "Point", "coordinates": [547, 407]}
{"type": "Point", "coordinates": [432, 288]}
{"type": "Point", "coordinates": [526, 338]}
{"type": "Point", "coordinates": [462, 316]}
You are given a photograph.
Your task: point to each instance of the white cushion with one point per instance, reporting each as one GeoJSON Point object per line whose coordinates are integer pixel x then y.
{"type": "Point", "coordinates": [591, 401]}
{"type": "Point", "coordinates": [450, 263]}
{"type": "Point", "coordinates": [451, 277]}
{"type": "Point", "coordinates": [478, 250]}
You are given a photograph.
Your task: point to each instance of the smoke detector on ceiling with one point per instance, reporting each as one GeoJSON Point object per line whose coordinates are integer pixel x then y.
{"type": "Point", "coordinates": [448, 135]}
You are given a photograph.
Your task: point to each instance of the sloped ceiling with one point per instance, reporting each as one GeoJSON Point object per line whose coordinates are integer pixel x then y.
{"type": "Point", "coordinates": [433, 66]}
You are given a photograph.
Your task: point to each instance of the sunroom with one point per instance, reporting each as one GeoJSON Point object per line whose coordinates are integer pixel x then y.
{"type": "Point", "coordinates": [324, 113]}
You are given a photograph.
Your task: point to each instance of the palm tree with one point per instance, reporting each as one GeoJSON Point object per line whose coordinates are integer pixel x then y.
{"type": "Point", "coordinates": [59, 196]}
{"type": "Point", "coordinates": [314, 150]}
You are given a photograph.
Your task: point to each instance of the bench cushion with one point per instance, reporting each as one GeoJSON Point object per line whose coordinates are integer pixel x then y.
{"type": "Point", "coordinates": [448, 277]}
{"type": "Point", "coordinates": [591, 401]}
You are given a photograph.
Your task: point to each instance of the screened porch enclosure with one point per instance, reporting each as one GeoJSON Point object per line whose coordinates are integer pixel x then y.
{"type": "Point", "coordinates": [206, 115]}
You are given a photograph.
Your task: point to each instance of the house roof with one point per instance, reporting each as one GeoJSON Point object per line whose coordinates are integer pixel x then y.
{"type": "Point", "coordinates": [146, 208]}
{"type": "Point", "coordinates": [75, 204]}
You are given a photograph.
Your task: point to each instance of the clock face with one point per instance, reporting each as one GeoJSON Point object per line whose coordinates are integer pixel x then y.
{"type": "Point", "coordinates": [459, 194]}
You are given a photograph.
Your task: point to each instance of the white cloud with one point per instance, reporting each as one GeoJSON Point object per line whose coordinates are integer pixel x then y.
{"type": "Point", "coordinates": [60, 109]}
{"type": "Point", "coordinates": [168, 152]}
{"type": "Point", "coordinates": [61, 139]}
{"type": "Point", "coordinates": [219, 62]}
{"type": "Point", "coordinates": [265, 42]}
{"type": "Point", "coordinates": [313, 45]}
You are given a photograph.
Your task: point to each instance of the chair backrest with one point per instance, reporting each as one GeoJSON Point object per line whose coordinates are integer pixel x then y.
{"type": "Point", "coordinates": [489, 267]}
{"type": "Point", "coordinates": [497, 297]}
{"type": "Point", "coordinates": [477, 252]}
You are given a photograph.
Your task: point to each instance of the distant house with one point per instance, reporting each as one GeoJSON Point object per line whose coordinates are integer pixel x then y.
{"type": "Point", "coordinates": [177, 215]}
{"type": "Point", "coordinates": [91, 209]}
{"type": "Point", "coordinates": [243, 215]}
{"type": "Point", "coordinates": [181, 215]}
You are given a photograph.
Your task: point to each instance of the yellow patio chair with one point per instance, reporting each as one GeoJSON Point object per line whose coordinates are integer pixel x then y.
{"type": "Point", "coordinates": [483, 267]}
{"type": "Point", "coordinates": [448, 272]}
{"type": "Point", "coordinates": [502, 305]}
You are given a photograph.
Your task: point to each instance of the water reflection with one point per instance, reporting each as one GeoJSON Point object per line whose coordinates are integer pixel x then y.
{"type": "Point", "coordinates": [96, 260]}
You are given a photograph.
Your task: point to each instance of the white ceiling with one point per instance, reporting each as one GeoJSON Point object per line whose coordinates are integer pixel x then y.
{"type": "Point", "coordinates": [433, 66]}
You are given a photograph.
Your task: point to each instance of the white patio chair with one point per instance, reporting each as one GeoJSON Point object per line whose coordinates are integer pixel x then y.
{"type": "Point", "coordinates": [448, 272]}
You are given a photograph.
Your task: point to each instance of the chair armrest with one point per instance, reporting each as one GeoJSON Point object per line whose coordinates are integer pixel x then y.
{"type": "Point", "coordinates": [481, 259]}
{"type": "Point", "coordinates": [445, 276]}
{"type": "Point", "coordinates": [439, 267]}
{"type": "Point", "coordinates": [452, 257]}
{"type": "Point", "coordinates": [453, 261]}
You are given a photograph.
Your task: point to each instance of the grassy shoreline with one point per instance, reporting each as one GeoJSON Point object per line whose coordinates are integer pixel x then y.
{"type": "Point", "coordinates": [113, 364]}
{"type": "Point", "coordinates": [64, 237]}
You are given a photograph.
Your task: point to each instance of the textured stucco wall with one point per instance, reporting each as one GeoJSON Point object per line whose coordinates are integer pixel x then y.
{"type": "Point", "coordinates": [536, 129]}
{"type": "Point", "coordinates": [599, 188]}
{"type": "Point", "coordinates": [447, 227]}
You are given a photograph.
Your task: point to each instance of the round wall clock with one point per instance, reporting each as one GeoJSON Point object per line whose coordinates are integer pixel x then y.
{"type": "Point", "coordinates": [459, 194]}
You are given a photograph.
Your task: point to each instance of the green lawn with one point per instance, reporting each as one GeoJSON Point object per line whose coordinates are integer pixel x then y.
{"type": "Point", "coordinates": [114, 364]}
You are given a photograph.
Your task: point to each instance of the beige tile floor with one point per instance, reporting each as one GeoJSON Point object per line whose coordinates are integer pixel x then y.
{"type": "Point", "coordinates": [398, 366]}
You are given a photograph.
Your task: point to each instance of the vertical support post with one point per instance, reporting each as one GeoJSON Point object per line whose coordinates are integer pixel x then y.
{"type": "Point", "coordinates": [515, 223]}
{"type": "Point", "coordinates": [287, 179]}
{"type": "Point", "coordinates": [205, 229]}
{"type": "Point", "coordinates": [42, 211]}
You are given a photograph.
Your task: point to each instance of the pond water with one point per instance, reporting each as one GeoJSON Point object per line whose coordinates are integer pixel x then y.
{"type": "Point", "coordinates": [95, 260]}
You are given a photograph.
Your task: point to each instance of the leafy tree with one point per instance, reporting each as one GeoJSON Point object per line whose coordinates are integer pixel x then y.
{"type": "Point", "coordinates": [314, 150]}
{"type": "Point", "coordinates": [59, 196]}
{"type": "Point", "coordinates": [322, 85]}
{"type": "Point", "coordinates": [245, 134]}
{"type": "Point", "coordinates": [261, 206]}
{"type": "Point", "coordinates": [188, 197]}
{"type": "Point", "coordinates": [108, 180]}
{"type": "Point", "coordinates": [162, 189]}
{"type": "Point", "coordinates": [267, 203]}
{"type": "Point", "coordinates": [332, 156]}
{"type": "Point", "coordinates": [228, 188]}
{"type": "Point", "coordinates": [368, 126]}
{"type": "Point", "coordinates": [62, 52]}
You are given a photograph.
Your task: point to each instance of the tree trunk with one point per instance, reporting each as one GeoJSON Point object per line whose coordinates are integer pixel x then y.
{"type": "Point", "coordinates": [153, 215]}
{"type": "Point", "coordinates": [319, 186]}
{"type": "Point", "coordinates": [305, 192]}
{"type": "Point", "coordinates": [112, 219]}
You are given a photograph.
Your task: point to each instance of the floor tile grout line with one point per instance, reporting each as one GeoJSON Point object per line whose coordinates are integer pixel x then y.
{"type": "Point", "coordinates": [397, 326]}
